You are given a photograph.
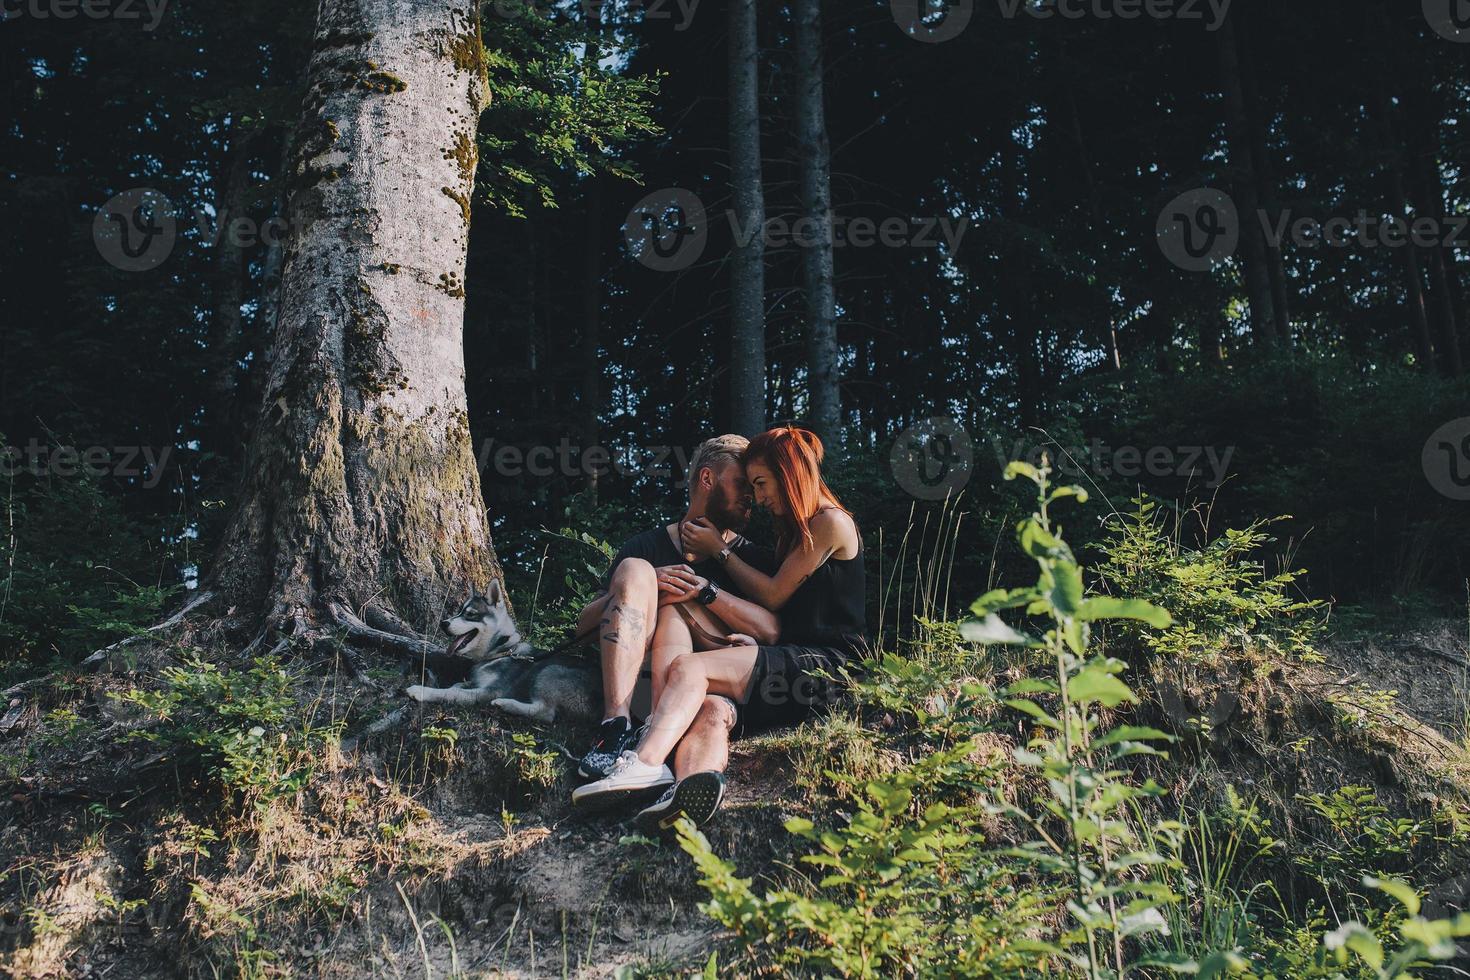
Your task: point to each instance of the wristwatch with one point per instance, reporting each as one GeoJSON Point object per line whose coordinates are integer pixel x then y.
{"type": "Point", "coordinates": [708, 593]}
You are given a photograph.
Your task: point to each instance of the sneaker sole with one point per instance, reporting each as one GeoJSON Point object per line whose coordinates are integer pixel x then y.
{"type": "Point", "coordinates": [591, 802]}
{"type": "Point", "coordinates": [697, 797]}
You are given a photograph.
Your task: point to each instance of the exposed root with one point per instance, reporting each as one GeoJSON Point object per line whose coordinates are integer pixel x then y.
{"type": "Point", "coordinates": [101, 657]}
{"type": "Point", "coordinates": [359, 631]}
{"type": "Point", "coordinates": [393, 719]}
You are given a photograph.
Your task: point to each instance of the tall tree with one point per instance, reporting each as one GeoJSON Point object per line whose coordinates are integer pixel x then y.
{"type": "Point", "coordinates": [1265, 176]}
{"type": "Point", "coordinates": [748, 263]}
{"type": "Point", "coordinates": [1397, 201]}
{"type": "Point", "coordinates": [592, 286]}
{"type": "Point", "coordinates": [824, 404]}
{"type": "Point", "coordinates": [1254, 248]}
{"type": "Point", "coordinates": [361, 488]}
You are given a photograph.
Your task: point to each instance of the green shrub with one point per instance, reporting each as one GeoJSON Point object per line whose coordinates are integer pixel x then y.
{"type": "Point", "coordinates": [1219, 593]}
{"type": "Point", "coordinates": [242, 725]}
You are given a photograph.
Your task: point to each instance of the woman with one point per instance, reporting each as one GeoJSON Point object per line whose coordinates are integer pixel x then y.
{"type": "Point", "coordinates": [819, 591]}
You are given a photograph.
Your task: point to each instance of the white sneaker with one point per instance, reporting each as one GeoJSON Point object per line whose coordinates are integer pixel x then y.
{"type": "Point", "coordinates": [630, 776]}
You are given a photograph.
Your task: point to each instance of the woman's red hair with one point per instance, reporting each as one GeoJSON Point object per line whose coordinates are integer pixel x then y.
{"type": "Point", "coordinates": [794, 456]}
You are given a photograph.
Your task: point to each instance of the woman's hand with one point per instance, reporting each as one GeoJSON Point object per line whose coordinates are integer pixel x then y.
{"type": "Point", "coordinates": [699, 538]}
{"type": "Point", "coordinates": [678, 583]}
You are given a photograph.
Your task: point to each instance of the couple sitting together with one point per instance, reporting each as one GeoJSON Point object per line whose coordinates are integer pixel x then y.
{"type": "Point", "coordinates": [734, 638]}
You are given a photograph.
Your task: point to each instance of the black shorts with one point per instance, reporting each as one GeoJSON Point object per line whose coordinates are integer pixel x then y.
{"type": "Point", "coordinates": [785, 687]}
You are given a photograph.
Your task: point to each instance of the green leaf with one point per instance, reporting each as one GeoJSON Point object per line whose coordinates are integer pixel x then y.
{"type": "Point", "coordinates": [1095, 683]}
{"type": "Point", "coordinates": [799, 826]}
{"type": "Point", "coordinates": [1034, 710]}
{"type": "Point", "coordinates": [1356, 937]}
{"type": "Point", "coordinates": [993, 629]}
{"type": "Point", "coordinates": [1106, 607]}
{"type": "Point", "coordinates": [1066, 591]}
{"type": "Point", "coordinates": [1020, 468]}
{"type": "Point", "coordinates": [1132, 733]}
{"type": "Point", "coordinates": [1399, 890]}
{"type": "Point", "coordinates": [997, 599]}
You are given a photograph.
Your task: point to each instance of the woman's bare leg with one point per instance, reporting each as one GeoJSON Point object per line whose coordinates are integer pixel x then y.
{"type": "Point", "coordinates": [686, 682]}
{"type": "Point", "coordinates": [671, 640]}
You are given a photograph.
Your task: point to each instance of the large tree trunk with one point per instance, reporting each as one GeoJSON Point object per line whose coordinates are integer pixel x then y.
{"type": "Point", "coordinates": [748, 263]}
{"type": "Point", "coordinates": [361, 484]}
{"type": "Point", "coordinates": [1422, 149]}
{"type": "Point", "coordinates": [1393, 177]}
{"type": "Point", "coordinates": [815, 153]}
{"type": "Point", "coordinates": [1253, 245]}
{"type": "Point", "coordinates": [1260, 159]}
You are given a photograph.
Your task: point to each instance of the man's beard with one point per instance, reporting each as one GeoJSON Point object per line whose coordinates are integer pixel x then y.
{"type": "Point", "coordinates": [726, 512]}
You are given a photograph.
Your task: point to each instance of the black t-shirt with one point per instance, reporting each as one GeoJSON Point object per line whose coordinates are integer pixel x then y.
{"type": "Point", "coordinates": [658, 549]}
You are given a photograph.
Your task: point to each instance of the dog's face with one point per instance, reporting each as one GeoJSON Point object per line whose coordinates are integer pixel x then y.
{"type": "Point", "coordinates": [482, 628]}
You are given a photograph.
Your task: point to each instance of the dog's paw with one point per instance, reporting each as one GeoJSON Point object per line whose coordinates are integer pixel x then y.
{"type": "Point", "coordinates": [419, 692]}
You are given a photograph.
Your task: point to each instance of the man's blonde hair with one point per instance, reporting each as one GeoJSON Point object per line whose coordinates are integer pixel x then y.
{"type": "Point", "coordinates": [715, 452]}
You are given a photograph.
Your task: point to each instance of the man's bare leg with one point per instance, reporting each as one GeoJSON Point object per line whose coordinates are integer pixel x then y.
{"type": "Point", "coordinates": [624, 633]}
{"type": "Point", "coordinates": [706, 746]}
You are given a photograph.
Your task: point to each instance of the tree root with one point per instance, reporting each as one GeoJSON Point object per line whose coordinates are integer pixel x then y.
{"type": "Point", "coordinates": [359, 631]}
{"type": "Point", "coordinates": [393, 719]}
{"type": "Point", "coordinates": [101, 657]}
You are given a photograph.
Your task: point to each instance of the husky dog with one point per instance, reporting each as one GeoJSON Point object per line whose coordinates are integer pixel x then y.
{"type": "Point", "coordinates": [507, 673]}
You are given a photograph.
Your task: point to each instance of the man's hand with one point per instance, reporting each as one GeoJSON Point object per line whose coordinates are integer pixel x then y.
{"type": "Point", "coordinates": [700, 538]}
{"type": "Point", "coordinates": [678, 583]}
{"type": "Point", "coordinates": [741, 640]}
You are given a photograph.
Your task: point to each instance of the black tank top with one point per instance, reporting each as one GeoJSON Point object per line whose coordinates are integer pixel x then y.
{"type": "Point", "coordinates": [828, 610]}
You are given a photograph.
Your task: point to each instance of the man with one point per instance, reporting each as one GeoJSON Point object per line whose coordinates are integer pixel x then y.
{"type": "Point", "coordinates": [649, 573]}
